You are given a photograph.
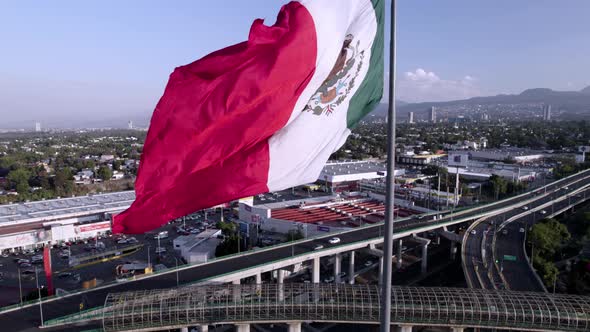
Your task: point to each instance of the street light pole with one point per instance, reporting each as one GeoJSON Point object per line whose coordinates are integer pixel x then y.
{"type": "Point", "coordinates": [39, 292]}
{"type": "Point", "coordinates": [176, 261]}
{"type": "Point", "coordinates": [149, 263]}
{"type": "Point", "coordinates": [20, 286]}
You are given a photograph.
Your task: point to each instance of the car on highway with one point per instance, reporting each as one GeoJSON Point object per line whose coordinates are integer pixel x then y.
{"type": "Point", "coordinates": [505, 232]}
{"type": "Point", "coordinates": [64, 275]}
{"type": "Point", "coordinates": [334, 240]}
{"type": "Point", "coordinates": [318, 247]}
{"type": "Point", "coordinates": [473, 232]}
{"type": "Point", "coordinates": [28, 272]}
{"type": "Point", "coordinates": [521, 230]}
{"type": "Point", "coordinates": [525, 208]}
{"type": "Point", "coordinates": [543, 212]}
{"type": "Point", "coordinates": [368, 263]}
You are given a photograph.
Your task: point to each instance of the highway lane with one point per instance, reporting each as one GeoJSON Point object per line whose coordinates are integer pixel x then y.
{"type": "Point", "coordinates": [517, 273]}
{"type": "Point", "coordinates": [488, 275]}
{"type": "Point", "coordinates": [26, 319]}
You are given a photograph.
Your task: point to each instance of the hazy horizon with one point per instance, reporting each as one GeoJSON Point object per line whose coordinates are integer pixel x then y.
{"type": "Point", "coordinates": [72, 62]}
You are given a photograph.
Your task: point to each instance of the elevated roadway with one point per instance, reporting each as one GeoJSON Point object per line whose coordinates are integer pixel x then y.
{"type": "Point", "coordinates": [490, 238]}
{"type": "Point", "coordinates": [456, 308]}
{"type": "Point", "coordinates": [26, 317]}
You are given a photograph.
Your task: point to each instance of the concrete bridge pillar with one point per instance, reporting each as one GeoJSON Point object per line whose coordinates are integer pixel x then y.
{"type": "Point", "coordinates": [294, 327]}
{"type": "Point", "coordinates": [457, 329]}
{"type": "Point", "coordinates": [316, 271]}
{"type": "Point", "coordinates": [280, 281]}
{"type": "Point", "coordinates": [398, 255]}
{"type": "Point", "coordinates": [424, 262]}
{"type": "Point", "coordinates": [258, 278]}
{"type": "Point", "coordinates": [184, 329]}
{"type": "Point", "coordinates": [453, 250]}
{"type": "Point", "coordinates": [242, 327]}
{"type": "Point", "coordinates": [337, 267]}
{"type": "Point", "coordinates": [405, 328]}
{"type": "Point", "coordinates": [351, 269]}
{"type": "Point", "coordinates": [236, 290]}
{"type": "Point", "coordinates": [203, 328]}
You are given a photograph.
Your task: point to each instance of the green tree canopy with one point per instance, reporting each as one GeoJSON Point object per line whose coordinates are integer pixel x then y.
{"type": "Point", "coordinates": [104, 173]}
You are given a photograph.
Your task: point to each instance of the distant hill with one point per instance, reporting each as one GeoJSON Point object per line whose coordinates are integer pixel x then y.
{"type": "Point", "coordinates": [569, 101]}
{"type": "Point", "coordinates": [381, 109]}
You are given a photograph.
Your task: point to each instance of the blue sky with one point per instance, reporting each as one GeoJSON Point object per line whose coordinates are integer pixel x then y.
{"type": "Point", "coordinates": [64, 59]}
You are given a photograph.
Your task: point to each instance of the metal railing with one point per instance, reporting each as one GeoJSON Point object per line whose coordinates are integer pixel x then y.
{"type": "Point", "coordinates": [339, 303]}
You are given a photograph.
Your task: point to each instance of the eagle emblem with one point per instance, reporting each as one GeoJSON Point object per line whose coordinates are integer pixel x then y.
{"type": "Point", "coordinates": [339, 82]}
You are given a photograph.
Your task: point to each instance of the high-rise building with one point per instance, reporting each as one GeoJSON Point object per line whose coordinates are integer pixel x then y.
{"type": "Point", "coordinates": [130, 125]}
{"type": "Point", "coordinates": [547, 112]}
{"type": "Point", "coordinates": [433, 114]}
{"type": "Point", "coordinates": [411, 117]}
{"type": "Point", "coordinates": [37, 127]}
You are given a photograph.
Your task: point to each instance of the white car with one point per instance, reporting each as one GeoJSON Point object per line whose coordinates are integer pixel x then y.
{"type": "Point", "coordinates": [543, 212]}
{"type": "Point", "coordinates": [521, 230]}
{"type": "Point", "coordinates": [473, 232]}
{"type": "Point", "coordinates": [525, 208]}
{"type": "Point", "coordinates": [334, 240]}
{"type": "Point", "coordinates": [318, 247]}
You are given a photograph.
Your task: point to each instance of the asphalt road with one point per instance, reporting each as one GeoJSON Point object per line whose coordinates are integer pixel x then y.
{"type": "Point", "coordinates": [482, 271]}
{"type": "Point", "coordinates": [28, 318]}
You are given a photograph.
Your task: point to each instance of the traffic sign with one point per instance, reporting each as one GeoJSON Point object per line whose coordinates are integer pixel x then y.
{"type": "Point", "coordinates": [510, 258]}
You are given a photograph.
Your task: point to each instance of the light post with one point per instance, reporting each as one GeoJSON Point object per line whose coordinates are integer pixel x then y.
{"type": "Point", "coordinates": [149, 248]}
{"type": "Point", "coordinates": [20, 286]}
{"type": "Point", "coordinates": [176, 261]}
{"type": "Point", "coordinates": [39, 292]}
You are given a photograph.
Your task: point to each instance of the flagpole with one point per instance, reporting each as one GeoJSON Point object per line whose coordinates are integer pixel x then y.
{"type": "Point", "coordinates": [388, 236]}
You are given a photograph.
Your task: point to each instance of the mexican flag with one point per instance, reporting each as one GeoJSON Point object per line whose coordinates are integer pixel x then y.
{"type": "Point", "coordinates": [262, 115]}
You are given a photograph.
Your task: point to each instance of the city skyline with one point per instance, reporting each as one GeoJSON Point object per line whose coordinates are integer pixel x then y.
{"type": "Point", "coordinates": [116, 61]}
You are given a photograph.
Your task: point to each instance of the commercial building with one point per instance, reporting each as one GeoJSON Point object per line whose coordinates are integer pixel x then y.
{"type": "Point", "coordinates": [345, 176]}
{"type": "Point", "coordinates": [411, 117]}
{"type": "Point", "coordinates": [410, 158]}
{"type": "Point", "coordinates": [34, 224]}
{"type": "Point", "coordinates": [197, 248]}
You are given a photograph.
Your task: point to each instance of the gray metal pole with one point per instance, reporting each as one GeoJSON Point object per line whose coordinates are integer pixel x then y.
{"type": "Point", "coordinates": [20, 286]}
{"type": "Point", "coordinates": [388, 236]}
{"type": "Point", "coordinates": [39, 292]}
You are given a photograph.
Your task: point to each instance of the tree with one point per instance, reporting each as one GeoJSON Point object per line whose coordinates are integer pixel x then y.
{"type": "Point", "coordinates": [547, 237]}
{"type": "Point", "coordinates": [105, 173]}
{"type": "Point", "coordinates": [62, 182]}
{"type": "Point", "coordinates": [116, 165]}
{"type": "Point", "coordinates": [499, 185]}
{"type": "Point", "coordinates": [293, 235]}
{"type": "Point", "coordinates": [19, 179]}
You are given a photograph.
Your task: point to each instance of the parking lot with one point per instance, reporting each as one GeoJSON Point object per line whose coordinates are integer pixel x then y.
{"type": "Point", "coordinates": [68, 279]}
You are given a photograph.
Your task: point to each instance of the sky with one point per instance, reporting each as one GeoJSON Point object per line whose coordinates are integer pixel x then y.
{"type": "Point", "coordinates": [63, 60]}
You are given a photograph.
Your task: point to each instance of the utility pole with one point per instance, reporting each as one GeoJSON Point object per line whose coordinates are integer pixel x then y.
{"type": "Point", "coordinates": [20, 286]}
{"type": "Point", "coordinates": [388, 236]}
{"type": "Point", "coordinates": [39, 292]}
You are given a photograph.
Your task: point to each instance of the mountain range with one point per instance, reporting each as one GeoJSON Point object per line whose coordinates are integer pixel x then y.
{"type": "Point", "coordinates": [574, 102]}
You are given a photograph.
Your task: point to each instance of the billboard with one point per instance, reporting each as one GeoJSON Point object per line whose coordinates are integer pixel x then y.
{"type": "Point", "coordinates": [458, 159]}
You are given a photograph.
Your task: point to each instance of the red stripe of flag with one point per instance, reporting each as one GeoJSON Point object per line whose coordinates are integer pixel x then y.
{"type": "Point", "coordinates": [207, 142]}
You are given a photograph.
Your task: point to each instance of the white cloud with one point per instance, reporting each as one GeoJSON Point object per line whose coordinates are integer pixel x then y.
{"type": "Point", "coordinates": [422, 85]}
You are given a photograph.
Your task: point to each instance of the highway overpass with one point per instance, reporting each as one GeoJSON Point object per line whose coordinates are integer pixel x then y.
{"type": "Point", "coordinates": [252, 263]}
{"type": "Point", "coordinates": [489, 243]}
